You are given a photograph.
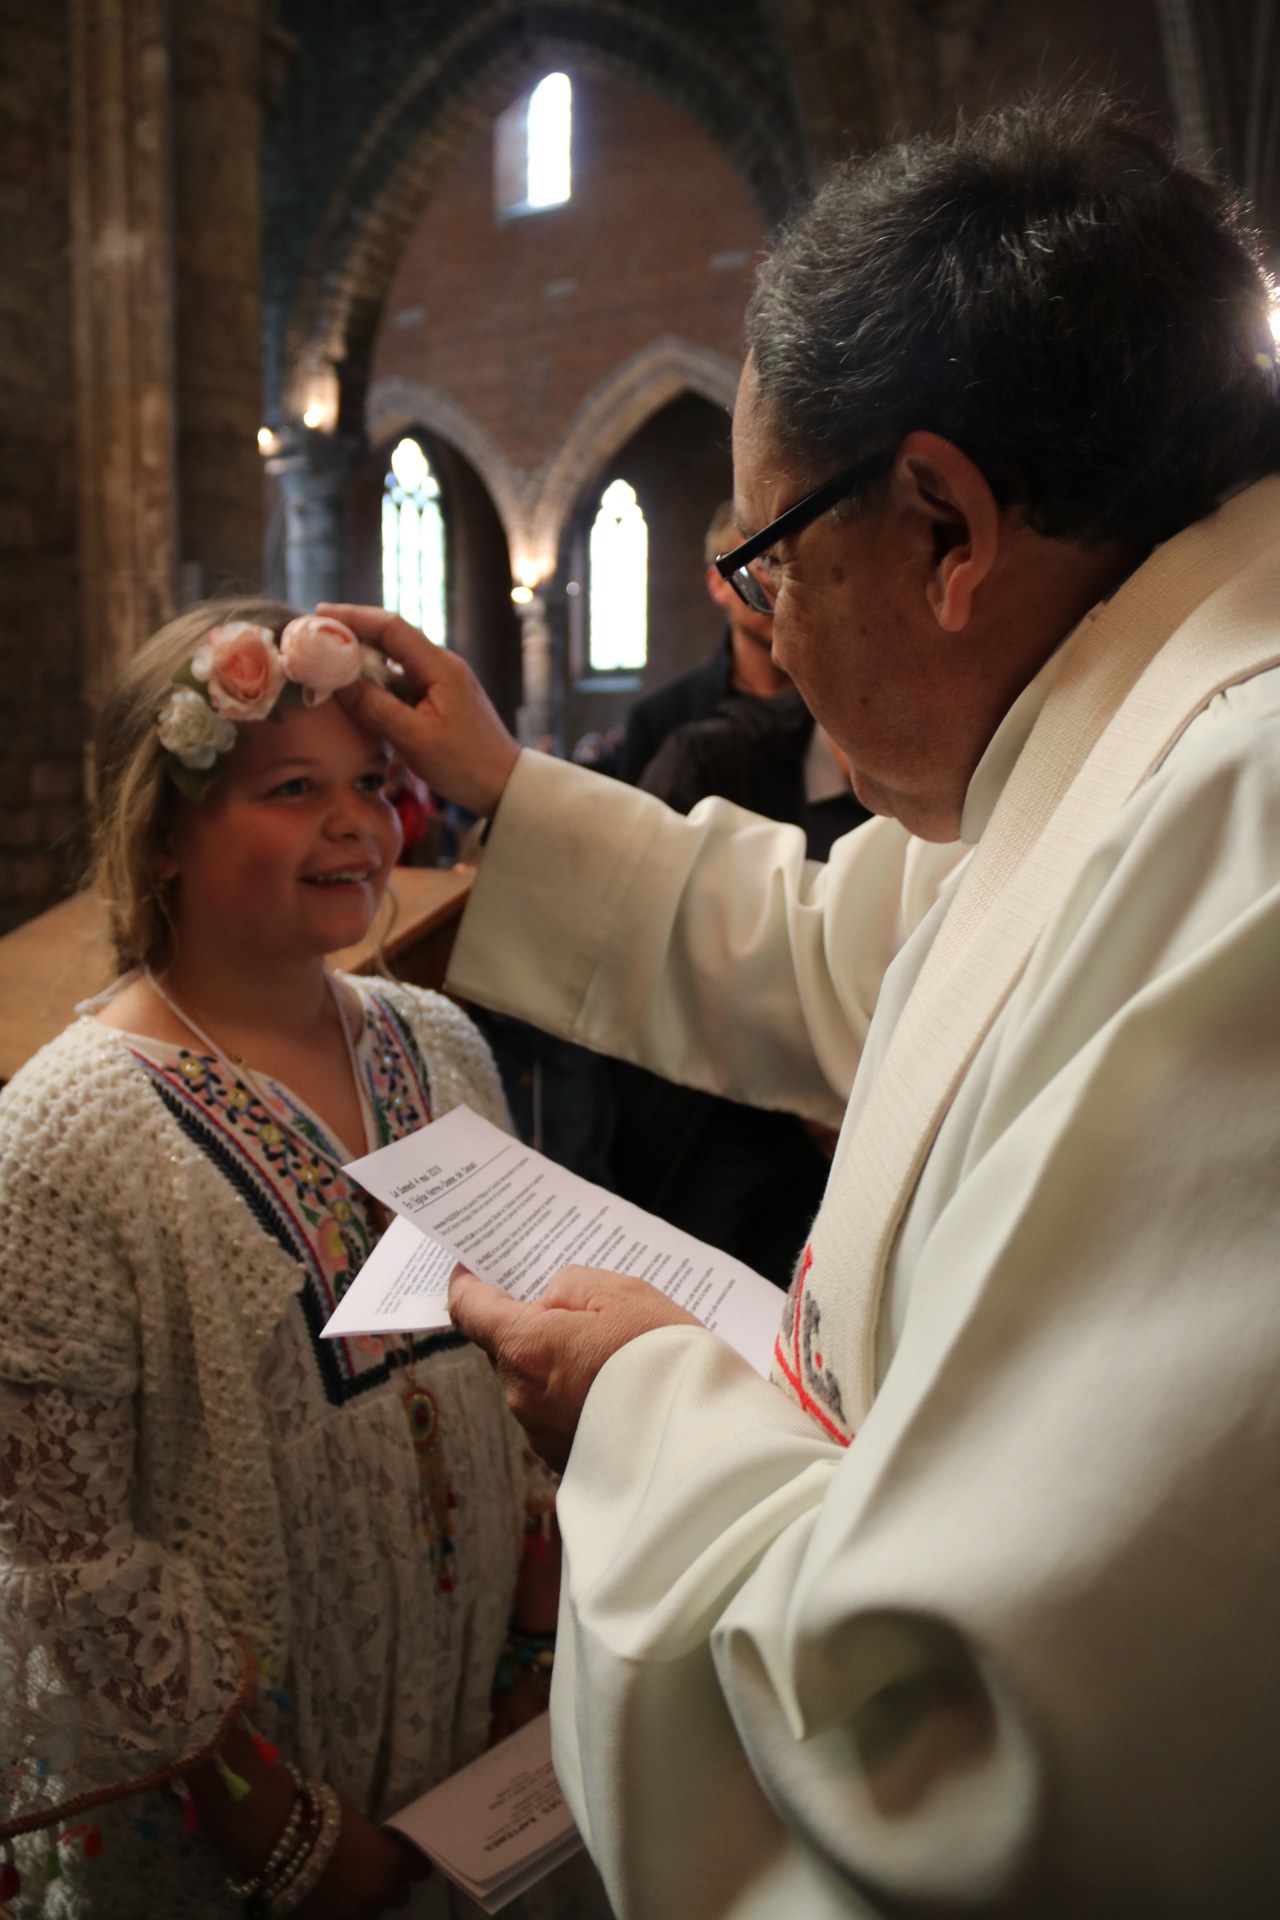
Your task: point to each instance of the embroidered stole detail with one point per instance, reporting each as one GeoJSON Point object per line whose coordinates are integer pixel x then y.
{"type": "Point", "coordinates": [1198, 617]}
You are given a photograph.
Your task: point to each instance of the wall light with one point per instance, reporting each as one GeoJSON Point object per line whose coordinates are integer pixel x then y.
{"type": "Point", "coordinates": [268, 441]}
{"type": "Point", "coordinates": [316, 395]}
{"type": "Point", "coordinates": [522, 595]}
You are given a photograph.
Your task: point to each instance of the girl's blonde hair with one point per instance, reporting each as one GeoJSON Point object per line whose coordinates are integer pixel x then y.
{"type": "Point", "coordinates": [134, 801]}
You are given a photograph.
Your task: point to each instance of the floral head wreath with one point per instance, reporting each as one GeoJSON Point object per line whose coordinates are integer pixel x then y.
{"type": "Point", "coordinates": [241, 672]}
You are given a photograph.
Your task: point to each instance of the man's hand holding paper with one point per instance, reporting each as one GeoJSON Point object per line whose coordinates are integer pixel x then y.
{"type": "Point", "coordinates": [548, 1351]}
{"type": "Point", "coordinates": [551, 1275]}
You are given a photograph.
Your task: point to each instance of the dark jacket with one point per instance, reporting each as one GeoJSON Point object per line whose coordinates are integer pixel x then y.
{"type": "Point", "coordinates": [693, 696]}
{"type": "Point", "coordinates": [751, 750]}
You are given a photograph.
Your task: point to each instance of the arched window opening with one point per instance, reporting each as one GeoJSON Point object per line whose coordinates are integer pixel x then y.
{"type": "Point", "coordinates": [549, 143]}
{"type": "Point", "coordinates": [533, 149]}
{"type": "Point", "coordinates": [618, 601]}
{"type": "Point", "coordinates": [413, 557]}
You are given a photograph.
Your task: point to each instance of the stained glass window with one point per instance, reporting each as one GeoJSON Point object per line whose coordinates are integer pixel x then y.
{"type": "Point", "coordinates": [618, 606]}
{"type": "Point", "coordinates": [413, 559]}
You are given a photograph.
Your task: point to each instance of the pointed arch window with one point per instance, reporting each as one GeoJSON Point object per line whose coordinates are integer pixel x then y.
{"type": "Point", "coordinates": [618, 576]}
{"type": "Point", "coordinates": [413, 542]}
{"type": "Point", "coordinates": [533, 148]}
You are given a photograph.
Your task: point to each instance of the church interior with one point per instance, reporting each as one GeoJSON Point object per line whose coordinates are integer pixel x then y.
{"type": "Point", "coordinates": [312, 308]}
{"type": "Point", "coordinates": [256, 246]}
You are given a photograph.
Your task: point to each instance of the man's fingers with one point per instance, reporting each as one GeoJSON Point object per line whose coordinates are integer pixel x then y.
{"type": "Point", "coordinates": [630, 1304]}
{"type": "Point", "coordinates": [452, 738]}
{"type": "Point", "coordinates": [382, 715]}
{"type": "Point", "coordinates": [575, 1288]}
{"type": "Point", "coordinates": [485, 1314]}
{"type": "Point", "coordinates": [548, 1352]}
{"type": "Point", "coordinates": [379, 627]}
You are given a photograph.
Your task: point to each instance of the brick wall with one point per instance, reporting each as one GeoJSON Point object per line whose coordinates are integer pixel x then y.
{"type": "Point", "coordinates": [518, 319]}
{"type": "Point", "coordinates": [40, 720]}
{"type": "Point", "coordinates": [379, 97]}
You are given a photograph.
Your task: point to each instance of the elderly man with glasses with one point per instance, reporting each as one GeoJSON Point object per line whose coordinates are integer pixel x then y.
{"type": "Point", "coordinates": [972, 1610]}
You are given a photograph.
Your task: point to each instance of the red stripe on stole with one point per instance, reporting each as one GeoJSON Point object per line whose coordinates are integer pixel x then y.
{"type": "Point", "coordinates": [806, 1399]}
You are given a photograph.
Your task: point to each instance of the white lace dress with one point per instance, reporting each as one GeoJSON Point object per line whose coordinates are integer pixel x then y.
{"type": "Point", "coordinates": [196, 1492]}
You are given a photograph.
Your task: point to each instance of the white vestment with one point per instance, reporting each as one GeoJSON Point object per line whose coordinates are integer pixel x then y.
{"type": "Point", "coordinates": [1014, 1650]}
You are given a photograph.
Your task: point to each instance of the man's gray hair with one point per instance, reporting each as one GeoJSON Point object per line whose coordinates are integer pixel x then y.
{"type": "Point", "coordinates": [1051, 290]}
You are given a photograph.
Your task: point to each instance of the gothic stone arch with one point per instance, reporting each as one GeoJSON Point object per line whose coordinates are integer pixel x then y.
{"type": "Point", "coordinates": [606, 420]}
{"type": "Point", "coordinates": [328, 267]}
{"type": "Point", "coordinates": [535, 508]}
{"type": "Point", "coordinates": [398, 405]}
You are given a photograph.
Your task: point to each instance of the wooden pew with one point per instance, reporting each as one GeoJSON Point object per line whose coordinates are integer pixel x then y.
{"type": "Point", "coordinates": [63, 956]}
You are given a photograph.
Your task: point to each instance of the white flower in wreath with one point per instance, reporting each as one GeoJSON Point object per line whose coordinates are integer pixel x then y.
{"type": "Point", "coordinates": [192, 732]}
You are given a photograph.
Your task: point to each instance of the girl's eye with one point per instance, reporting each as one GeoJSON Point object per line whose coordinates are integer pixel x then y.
{"type": "Point", "coordinates": [290, 789]}
{"type": "Point", "coordinates": [373, 781]}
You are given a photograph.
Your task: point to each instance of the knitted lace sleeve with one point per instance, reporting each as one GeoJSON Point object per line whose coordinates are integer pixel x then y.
{"type": "Point", "coordinates": [114, 1668]}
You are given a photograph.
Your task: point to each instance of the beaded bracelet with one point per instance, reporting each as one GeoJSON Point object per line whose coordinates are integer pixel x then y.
{"type": "Point", "coordinates": [328, 1832]}
{"type": "Point", "coordinates": [284, 1846]}
{"type": "Point", "coordinates": [262, 1904]}
{"type": "Point", "coordinates": [299, 1856]}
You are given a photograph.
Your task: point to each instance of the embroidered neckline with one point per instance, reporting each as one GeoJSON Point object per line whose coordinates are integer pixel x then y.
{"type": "Point", "coordinates": [286, 1156]}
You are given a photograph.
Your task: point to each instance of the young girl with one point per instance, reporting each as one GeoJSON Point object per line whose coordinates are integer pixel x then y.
{"type": "Point", "coordinates": [219, 1533]}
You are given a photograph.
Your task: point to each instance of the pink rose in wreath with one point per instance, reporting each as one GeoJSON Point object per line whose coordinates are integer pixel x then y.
{"type": "Point", "coordinates": [241, 665]}
{"type": "Point", "coordinates": [320, 655]}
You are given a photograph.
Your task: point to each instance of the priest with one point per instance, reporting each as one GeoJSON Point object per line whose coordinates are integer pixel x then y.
{"type": "Point", "coordinates": [971, 1608]}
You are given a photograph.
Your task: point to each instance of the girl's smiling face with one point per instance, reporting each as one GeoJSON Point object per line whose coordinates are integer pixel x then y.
{"type": "Point", "coordinates": [288, 854]}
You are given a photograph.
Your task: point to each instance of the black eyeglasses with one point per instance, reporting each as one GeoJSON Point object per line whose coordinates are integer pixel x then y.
{"type": "Point", "coordinates": [735, 567]}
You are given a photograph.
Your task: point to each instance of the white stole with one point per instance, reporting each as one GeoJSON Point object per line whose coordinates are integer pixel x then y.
{"type": "Point", "coordinates": [1202, 614]}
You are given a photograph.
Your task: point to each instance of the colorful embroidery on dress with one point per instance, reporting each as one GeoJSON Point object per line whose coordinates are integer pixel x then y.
{"type": "Point", "coordinates": [290, 1169]}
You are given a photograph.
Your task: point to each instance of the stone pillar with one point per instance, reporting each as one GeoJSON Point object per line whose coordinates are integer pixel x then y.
{"type": "Point", "coordinates": [535, 719]}
{"type": "Point", "coordinates": [123, 291]}
{"type": "Point", "coordinates": [41, 738]}
{"type": "Point", "coordinates": [217, 225]}
{"type": "Point", "coordinates": [314, 472]}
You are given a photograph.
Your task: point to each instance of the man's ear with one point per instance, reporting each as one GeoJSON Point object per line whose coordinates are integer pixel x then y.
{"type": "Point", "coordinates": [953, 520]}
